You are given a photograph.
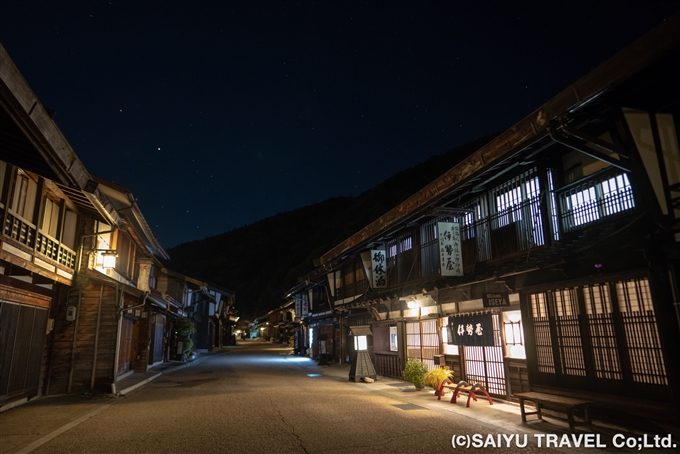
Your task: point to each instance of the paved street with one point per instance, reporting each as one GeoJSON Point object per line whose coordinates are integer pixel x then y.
{"type": "Point", "coordinates": [261, 399]}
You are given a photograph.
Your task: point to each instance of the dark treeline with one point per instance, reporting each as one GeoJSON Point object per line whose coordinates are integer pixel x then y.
{"type": "Point", "coordinates": [261, 261]}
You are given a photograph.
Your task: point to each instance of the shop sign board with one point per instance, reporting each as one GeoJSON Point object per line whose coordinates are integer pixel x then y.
{"type": "Point", "coordinates": [497, 299]}
{"type": "Point", "coordinates": [450, 251]}
{"type": "Point", "coordinates": [472, 330]}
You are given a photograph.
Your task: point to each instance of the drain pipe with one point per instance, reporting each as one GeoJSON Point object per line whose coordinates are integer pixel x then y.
{"type": "Point", "coordinates": [73, 345]}
{"type": "Point", "coordinates": [570, 142]}
{"type": "Point", "coordinates": [123, 309]}
{"type": "Point", "coordinates": [96, 336]}
{"type": "Point", "coordinates": [121, 296]}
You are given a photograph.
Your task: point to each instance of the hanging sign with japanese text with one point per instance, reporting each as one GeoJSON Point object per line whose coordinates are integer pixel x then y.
{"type": "Point", "coordinates": [472, 330]}
{"type": "Point", "coordinates": [304, 305]}
{"type": "Point", "coordinates": [450, 253]}
{"type": "Point", "coordinates": [379, 268]}
{"type": "Point", "coordinates": [496, 299]}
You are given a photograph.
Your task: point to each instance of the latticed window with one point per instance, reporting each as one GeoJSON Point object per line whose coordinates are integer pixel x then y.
{"type": "Point", "coordinates": [605, 350]}
{"type": "Point", "coordinates": [422, 341]}
{"type": "Point", "coordinates": [486, 365]}
{"type": "Point", "coordinates": [429, 249]}
{"type": "Point", "coordinates": [617, 323]}
{"type": "Point", "coordinates": [569, 336]}
{"type": "Point", "coordinates": [642, 336]}
{"type": "Point", "coordinates": [561, 305]}
{"type": "Point", "coordinates": [544, 349]}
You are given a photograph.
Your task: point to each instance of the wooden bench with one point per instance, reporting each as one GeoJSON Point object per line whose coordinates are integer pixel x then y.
{"type": "Point", "coordinates": [465, 387]}
{"type": "Point", "coordinates": [568, 404]}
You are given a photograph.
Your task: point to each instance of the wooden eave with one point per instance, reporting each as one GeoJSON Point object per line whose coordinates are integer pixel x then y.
{"type": "Point", "coordinates": [32, 141]}
{"type": "Point", "coordinates": [653, 46]}
{"type": "Point", "coordinates": [124, 203]}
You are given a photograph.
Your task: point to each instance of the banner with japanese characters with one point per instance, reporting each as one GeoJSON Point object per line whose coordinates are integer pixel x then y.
{"type": "Point", "coordinates": [304, 305]}
{"type": "Point", "coordinates": [379, 268]}
{"type": "Point", "coordinates": [298, 308]}
{"type": "Point", "coordinates": [472, 330]}
{"type": "Point", "coordinates": [450, 253]}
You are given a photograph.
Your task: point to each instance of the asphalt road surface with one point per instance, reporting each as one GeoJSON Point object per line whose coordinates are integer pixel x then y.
{"type": "Point", "coordinates": [260, 399]}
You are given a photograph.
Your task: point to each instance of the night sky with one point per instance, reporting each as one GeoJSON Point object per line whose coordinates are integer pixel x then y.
{"type": "Point", "coordinates": [218, 114]}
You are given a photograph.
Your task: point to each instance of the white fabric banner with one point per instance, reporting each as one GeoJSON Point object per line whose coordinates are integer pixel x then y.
{"type": "Point", "coordinates": [450, 253]}
{"type": "Point", "coordinates": [379, 268]}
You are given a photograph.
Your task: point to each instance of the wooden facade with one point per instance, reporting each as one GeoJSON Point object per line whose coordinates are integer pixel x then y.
{"type": "Point", "coordinates": [69, 321]}
{"type": "Point", "coordinates": [572, 216]}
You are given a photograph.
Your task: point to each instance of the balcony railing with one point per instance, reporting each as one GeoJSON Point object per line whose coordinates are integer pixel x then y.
{"type": "Point", "coordinates": [19, 230]}
{"type": "Point", "coordinates": [25, 233]}
{"type": "Point", "coordinates": [604, 195]}
{"type": "Point", "coordinates": [353, 289]}
{"type": "Point", "coordinates": [516, 229]}
{"type": "Point", "coordinates": [51, 248]}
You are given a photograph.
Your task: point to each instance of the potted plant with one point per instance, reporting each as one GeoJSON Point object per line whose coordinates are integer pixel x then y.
{"type": "Point", "coordinates": [437, 376]}
{"type": "Point", "coordinates": [181, 337]}
{"type": "Point", "coordinates": [414, 372]}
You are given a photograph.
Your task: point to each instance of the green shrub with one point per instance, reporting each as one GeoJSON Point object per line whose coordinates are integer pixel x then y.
{"type": "Point", "coordinates": [184, 327]}
{"type": "Point", "coordinates": [414, 372]}
{"type": "Point", "coordinates": [187, 347]}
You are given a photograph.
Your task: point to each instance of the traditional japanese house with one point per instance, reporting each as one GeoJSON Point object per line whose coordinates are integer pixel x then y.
{"type": "Point", "coordinates": [329, 293]}
{"type": "Point", "coordinates": [548, 258]}
{"type": "Point", "coordinates": [45, 197]}
{"type": "Point", "coordinates": [62, 234]}
{"type": "Point", "coordinates": [278, 324]}
{"type": "Point", "coordinates": [219, 308]}
{"type": "Point", "coordinates": [106, 326]}
{"type": "Point", "coordinates": [209, 309]}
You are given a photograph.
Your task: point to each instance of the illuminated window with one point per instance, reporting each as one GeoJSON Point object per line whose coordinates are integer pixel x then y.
{"type": "Point", "coordinates": [449, 349]}
{"type": "Point", "coordinates": [23, 200]}
{"type": "Point", "coordinates": [606, 197]}
{"type": "Point", "coordinates": [514, 337]}
{"type": "Point", "coordinates": [50, 220]}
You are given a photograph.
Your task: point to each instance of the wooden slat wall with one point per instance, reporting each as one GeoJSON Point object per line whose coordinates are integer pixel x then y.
{"type": "Point", "coordinates": [518, 376]}
{"type": "Point", "coordinates": [85, 341]}
{"type": "Point", "coordinates": [22, 331]}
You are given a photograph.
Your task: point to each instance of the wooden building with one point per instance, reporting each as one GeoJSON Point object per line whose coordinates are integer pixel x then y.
{"type": "Point", "coordinates": [84, 298]}
{"type": "Point", "coordinates": [547, 259]}
{"type": "Point", "coordinates": [47, 198]}
{"type": "Point", "coordinates": [117, 322]}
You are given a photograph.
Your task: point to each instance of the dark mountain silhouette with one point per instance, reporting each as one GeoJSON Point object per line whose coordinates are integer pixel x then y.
{"type": "Point", "coordinates": [263, 260]}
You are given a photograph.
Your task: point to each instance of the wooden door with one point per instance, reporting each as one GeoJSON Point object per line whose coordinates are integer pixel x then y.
{"type": "Point", "coordinates": [22, 331]}
{"type": "Point", "coordinates": [485, 365]}
{"type": "Point", "coordinates": [126, 353]}
{"type": "Point", "coordinates": [159, 331]}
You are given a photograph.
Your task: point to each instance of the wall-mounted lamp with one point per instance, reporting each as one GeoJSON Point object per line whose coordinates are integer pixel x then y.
{"type": "Point", "coordinates": [107, 257]}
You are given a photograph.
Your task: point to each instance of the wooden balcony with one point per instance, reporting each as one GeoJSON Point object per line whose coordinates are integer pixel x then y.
{"type": "Point", "coordinates": [25, 235]}
{"type": "Point", "coordinates": [504, 235]}
{"type": "Point", "coordinates": [353, 289]}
